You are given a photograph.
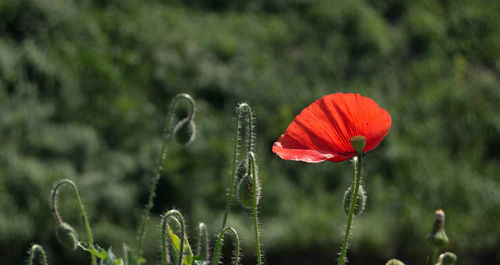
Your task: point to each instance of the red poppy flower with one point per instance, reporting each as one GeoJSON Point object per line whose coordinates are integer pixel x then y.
{"type": "Point", "coordinates": [323, 130]}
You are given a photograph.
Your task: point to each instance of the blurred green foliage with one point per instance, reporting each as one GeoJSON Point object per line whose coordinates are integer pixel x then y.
{"type": "Point", "coordinates": [85, 84]}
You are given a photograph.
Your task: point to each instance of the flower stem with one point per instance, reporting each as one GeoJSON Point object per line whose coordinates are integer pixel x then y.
{"type": "Point", "coordinates": [358, 163]}
{"type": "Point", "coordinates": [218, 246]}
{"type": "Point", "coordinates": [33, 250]}
{"type": "Point", "coordinates": [241, 107]}
{"type": "Point", "coordinates": [254, 206]}
{"type": "Point", "coordinates": [177, 216]}
{"type": "Point", "coordinates": [58, 217]}
{"type": "Point", "coordinates": [159, 167]}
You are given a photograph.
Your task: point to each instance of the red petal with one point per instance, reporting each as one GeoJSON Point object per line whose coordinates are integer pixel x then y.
{"type": "Point", "coordinates": [323, 130]}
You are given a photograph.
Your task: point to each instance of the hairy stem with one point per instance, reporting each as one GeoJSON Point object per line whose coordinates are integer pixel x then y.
{"type": "Point", "coordinates": [177, 216]}
{"type": "Point", "coordinates": [254, 206]}
{"type": "Point", "coordinates": [33, 250]}
{"type": "Point", "coordinates": [358, 163]}
{"type": "Point", "coordinates": [156, 174]}
{"type": "Point", "coordinates": [218, 246]}
{"type": "Point", "coordinates": [57, 215]}
{"type": "Point", "coordinates": [241, 107]}
{"type": "Point", "coordinates": [202, 248]}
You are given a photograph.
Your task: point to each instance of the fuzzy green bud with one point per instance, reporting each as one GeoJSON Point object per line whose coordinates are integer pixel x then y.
{"type": "Point", "coordinates": [358, 143]}
{"type": "Point", "coordinates": [242, 169]}
{"type": "Point", "coordinates": [438, 238]}
{"type": "Point", "coordinates": [67, 236]}
{"type": "Point", "coordinates": [185, 131]}
{"type": "Point", "coordinates": [359, 207]}
{"type": "Point", "coordinates": [447, 258]}
{"type": "Point", "coordinates": [245, 191]}
{"type": "Point", "coordinates": [394, 262]}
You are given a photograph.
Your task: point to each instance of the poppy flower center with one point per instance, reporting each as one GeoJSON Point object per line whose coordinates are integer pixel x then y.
{"type": "Point", "coordinates": [358, 143]}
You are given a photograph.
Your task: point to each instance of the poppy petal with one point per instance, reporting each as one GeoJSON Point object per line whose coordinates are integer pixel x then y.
{"type": "Point", "coordinates": [323, 130]}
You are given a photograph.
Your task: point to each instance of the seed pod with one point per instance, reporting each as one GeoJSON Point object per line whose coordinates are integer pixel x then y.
{"type": "Point", "coordinates": [438, 238]}
{"type": "Point", "coordinates": [245, 191]}
{"type": "Point", "coordinates": [359, 207]}
{"type": "Point", "coordinates": [358, 143]}
{"type": "Point", "coordinates": [185, 131]}
{"type": "Point", "coordinates": [66, 236]}
{"type": "Point", "coordinates": [447, 258]}
{"type": "Point", "coordinates": [394, 262]}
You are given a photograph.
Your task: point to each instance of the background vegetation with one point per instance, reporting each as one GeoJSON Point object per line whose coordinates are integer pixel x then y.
{"type": "Point", "coordinates": [85, 84]}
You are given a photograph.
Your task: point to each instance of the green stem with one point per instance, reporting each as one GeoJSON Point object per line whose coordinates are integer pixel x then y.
{"type": "Point", "coordinates": [254, 206]}
{"type": "Point", "coordinates": [358, 163]}
{"type": "Point", "coordinates": [218, 246]}
{"type": "Point", "coordinates": [202, 248]}
{"type": "Point", "coordinates": [58, 217]}
{"type": "Point", "coordinates": [435, 255]}
{"type": "Point", "coordinates": [33, 250]}
{"type": "Point", "coordinates": [235, 154]}
{"type": "Point", "coordinates": [156, 174]}
{"type": "Point", "coordinates": [177, 216]}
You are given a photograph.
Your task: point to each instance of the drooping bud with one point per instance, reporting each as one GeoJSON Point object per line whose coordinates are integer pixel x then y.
{"type": "Point", "coordinates": [185, 131]}
{"type": "Point", "coordinates": [438, 238]}
{"type": "Point", "coordinates": [358, 143]}
{"type": "Point", "coordinates": [245, 190]}
{"type": "Point", "coordinates": [394, 262]}
{"type": "Point", "coordinates": [242, 169]}
{"type": "Point", "coordinates": [447, 258]}
{"type": "Point", "coordinates": [67, 236]}
{"type": "Point", "coordinates": [359, 207]}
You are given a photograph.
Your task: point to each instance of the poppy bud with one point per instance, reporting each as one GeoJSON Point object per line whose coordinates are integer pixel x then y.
{"type": "Point", "coordinates": [66, 235]}
{"type": "Point", "coordinates": [184, 131]}
{"type": "Point", "coordinates": [447, 258]}
{"type": "Point", "coordinates": [358, 143]}
{"type": "Point", "coordinates": [245, 191]}
{"type": "Point", "coordinates": [242, 169]}
{"type": "Point", "coordinates": [360, 201]}
{"type": "Point", "coordinates": [437, 238]}
{"type": "Point", "coordinates": [394, 262]}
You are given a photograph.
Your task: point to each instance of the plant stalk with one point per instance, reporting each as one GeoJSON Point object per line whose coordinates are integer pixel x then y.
{"type": "Point", "coordinates": [358, 163]}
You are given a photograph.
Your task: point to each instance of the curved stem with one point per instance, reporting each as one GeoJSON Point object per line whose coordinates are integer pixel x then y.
{"type": "Point", "coordinates": [33, 250]}
{"type": "Point", "coordinates": [358, 163]}
{"type": "Point", "coordinates": [177, 216]}
{"type": "Point", "coordinates": [156, 174]}
{"type": "Point", "coordinates": [202, 248]}
{"type": "Point", "coordinates": [254, 206]}
{"type": "Point", "coordinates": [218, 246]}
{"type": "Point", "coordinates": [241, 107]}
{"type": "Point", "coordinates": [59, 220]}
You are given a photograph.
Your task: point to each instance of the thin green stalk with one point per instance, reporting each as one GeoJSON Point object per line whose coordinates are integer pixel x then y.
{"type": "Point", "coordinates": [235, 154]}
{"type": "Point", "coordinates": [202, 248]}
{"type": "Point", "coordinates": [218, 246]}
{"type": "Point", "coordinates": [156, 174]}
{"type": "Point", "coordinates": [254, 206]}
{"type": "Point", "coordinates": [58, 217]}
{"type": "Point", "coordinates": [33, 250]}
{"type": "Point", "coordinates": [358, 163]}
{"type": "Point", "coordinates": [177, 216]}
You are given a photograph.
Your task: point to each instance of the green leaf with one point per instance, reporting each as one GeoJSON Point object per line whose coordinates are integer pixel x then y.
{"type": "Point", "coordinates": [175, 247]}
{"type": "Point", "coordinates": [97, 251]}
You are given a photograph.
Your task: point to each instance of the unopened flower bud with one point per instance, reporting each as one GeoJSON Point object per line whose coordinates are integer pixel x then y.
{"type": "Point", "coordinates": [185, 131]}
{"type": "Point", "coordinates": [447, 258]}
{"type": "Point", "coordinates": [438, 237]}
{"type": "Point", "coordinates": [359, 207]}
{"type": "Point", "coordinates": [242, 169]}
{"type": "Point", "coordinates": [358, 143]}
{"type": "Point", "coordinates": [245, 191]}
{"type": "Point", "coordinates": [67, 236]}
{"type": "Point", "coordinates": [394, 262]}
